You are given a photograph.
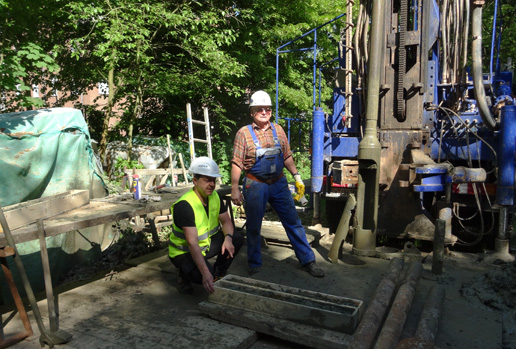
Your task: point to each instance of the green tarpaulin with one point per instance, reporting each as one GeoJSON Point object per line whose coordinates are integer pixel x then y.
{"type": "Point", "coordinates": [42, 153]}
{"type": "Point", "coordinates": [45, 152]}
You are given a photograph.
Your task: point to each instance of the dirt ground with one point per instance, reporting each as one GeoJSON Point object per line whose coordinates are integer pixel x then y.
{"type": "Point", "coordinates": [141, 306]}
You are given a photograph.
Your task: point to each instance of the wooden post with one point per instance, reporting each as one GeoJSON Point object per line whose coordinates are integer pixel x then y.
{"type": "Point", "coordinates": [183, 167]}
{"type": "Point", "coordinates": [53, 312]}
{"type": "Point", "coordinates": [170, 160]}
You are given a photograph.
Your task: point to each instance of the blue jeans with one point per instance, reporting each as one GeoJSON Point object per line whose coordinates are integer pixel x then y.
{"type": "Point", "coordinates": [257, 195]}
{"type": "Point", "coordinates": [188, 269]}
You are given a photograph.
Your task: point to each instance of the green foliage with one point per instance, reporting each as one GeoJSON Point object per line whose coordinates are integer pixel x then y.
{"type": "Point", "coordinates": [222, 154]}
{"type": "Point", "coordinates": [19, 69]}
{"type": "Point", "coordinates": [120, 164]}
{"type": "Point", "coordinates": [303, 165]}
{"type": "Point", "coordinates": [164, 54]}
{"type": "Point", "coordinates": [507, 51]}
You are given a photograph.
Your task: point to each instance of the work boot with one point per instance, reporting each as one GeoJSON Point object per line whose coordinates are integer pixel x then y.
{"type": "Point", "coordinates": [314, 269]}
{"type": "Point", "coordinates": [179, 278]}
{"type": "Point", "coordinates": [254, 270]}
{"type": "Point", "coordinates": [219, 273]}
{"type": "Point", "coordinates": [186, 288]}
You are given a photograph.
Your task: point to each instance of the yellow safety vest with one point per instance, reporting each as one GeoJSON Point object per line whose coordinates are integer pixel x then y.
{"type": "Point", "coordinates": [207, 226]}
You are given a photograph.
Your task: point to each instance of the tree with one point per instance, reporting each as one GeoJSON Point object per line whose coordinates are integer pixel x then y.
{"type": "Point", "coordinates": [268, 25]}
{"type": "Point", "coordinates": [154, 49]}
{"type": "Point", "coordinates": [24, 59]}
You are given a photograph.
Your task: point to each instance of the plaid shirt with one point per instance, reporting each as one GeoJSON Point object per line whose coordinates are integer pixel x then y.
{"type": "Point", "coordinates": [244, 150]}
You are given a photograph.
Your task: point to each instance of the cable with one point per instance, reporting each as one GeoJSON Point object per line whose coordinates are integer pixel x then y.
{"type": "Point", "coordinates": [474, 133]}
{"type": "Point", "coordinates": [447, 111]}
{"type": "Point", "coordinates": [480, 234]}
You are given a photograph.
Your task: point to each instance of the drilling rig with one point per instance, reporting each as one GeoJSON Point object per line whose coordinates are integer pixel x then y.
{"type": "Point", "coordinates": [417, 129]}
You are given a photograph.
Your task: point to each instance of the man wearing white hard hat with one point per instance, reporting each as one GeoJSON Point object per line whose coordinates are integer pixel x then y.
{"type": "Point", "coordinates": [196, 236]}
{"type": "Point", "coordinates": [261, 150]}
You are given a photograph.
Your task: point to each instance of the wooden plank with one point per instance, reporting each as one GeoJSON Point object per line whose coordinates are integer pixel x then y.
{"type": "Point", "coordinates": [28, 212]}
{"type": "Point", "coordinates": [94, 214]}
{"type": "Point", "coordinates": [163, 180]}
{"type": "Point", "coordinates": [155, 172]}
{"type": "Point", "coordinates": [98, 211]}
{"type": "Point", "coordinates": [274, 232]}
{"type": "Point", "coordinates": [150, 182]}
{"type": "Point", "coordinates": [183, 167]}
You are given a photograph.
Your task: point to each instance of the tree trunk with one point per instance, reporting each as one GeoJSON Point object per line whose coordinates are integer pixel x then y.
{"type": "Point", "coordinates": [107, 115]}
{"type": "Point", "coordinates": [137, 104]}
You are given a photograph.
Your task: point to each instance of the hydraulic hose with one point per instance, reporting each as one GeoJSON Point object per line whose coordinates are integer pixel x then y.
{"type": "Point", "coordinates": [465, 34]}
{"type": "Point", "coordinates": [478, 79]}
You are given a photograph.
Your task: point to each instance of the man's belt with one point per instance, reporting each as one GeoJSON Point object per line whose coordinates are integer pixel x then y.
{"type": "Point", "coordinates": [268, 181]}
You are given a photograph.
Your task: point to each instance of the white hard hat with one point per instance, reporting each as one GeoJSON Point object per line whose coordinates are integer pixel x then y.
{"type": "Point", "coordinates": [260, 98]}
{"type": "Point", "coordinates": [205, 166]}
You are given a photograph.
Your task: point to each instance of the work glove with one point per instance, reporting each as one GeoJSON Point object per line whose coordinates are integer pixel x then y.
{"type": "Point", "coordinates": [300, 188]}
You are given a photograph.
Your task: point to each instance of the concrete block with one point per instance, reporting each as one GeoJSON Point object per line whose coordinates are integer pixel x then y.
{"type": "Point", "coordinates": [294, 304]}
{"type": "Point", "coordinates": [307, 336]}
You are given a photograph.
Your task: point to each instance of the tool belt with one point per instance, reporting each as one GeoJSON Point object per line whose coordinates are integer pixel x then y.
{"type": "Point", "coordinates": [268, 181]}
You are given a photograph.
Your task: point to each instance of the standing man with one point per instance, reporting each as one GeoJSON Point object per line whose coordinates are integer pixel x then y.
{"type": "Point", "coordinates": [196, 236]}
{"type": "Point", "coordinates": [262, 150]}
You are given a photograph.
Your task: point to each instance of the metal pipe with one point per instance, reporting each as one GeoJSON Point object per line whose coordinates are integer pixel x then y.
{"type": "Point", "coordinates": [446, 215]}
{"type": "Point", "coordinates": [438, 248]}
{"type": "Point", "coordinates": [369, 149]}
{"type": "Point", "coordinates": [366, 331]}
{"type": "Point", "coordinates": [465, 34]}
{"type": "Point", "coordinates": [478, 78]}
{"type": "Point", "coordinates": [4, 343]}
{"type": "Point", "coordinates": [428, 322]}
{"type": "Point", "coordinates": [502, 223]}
{"type": "Point", "coordinates": [393, 326]}
{"type": "Point", "coordinates": [444, 28]}
{"type": "Point", "coordinates": [317, 150]}
{"type": "Point", "coordinates": [316, 204]}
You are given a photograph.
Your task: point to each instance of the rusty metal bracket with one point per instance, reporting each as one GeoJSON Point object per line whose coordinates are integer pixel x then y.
{"type": "Point", "coordinates": [4, 343]}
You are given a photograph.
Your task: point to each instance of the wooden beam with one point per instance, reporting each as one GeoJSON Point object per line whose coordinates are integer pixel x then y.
{"type": "Point", "coordinates": [98, 211]}
{"type": "Point", "coordinates": [153, 172]}
{"type": "Point", "coordinates": [28, 212]}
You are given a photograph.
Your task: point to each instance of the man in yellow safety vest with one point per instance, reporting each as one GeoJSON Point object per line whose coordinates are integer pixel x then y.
{"type": "Point", "coordinates": [196, 235]}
